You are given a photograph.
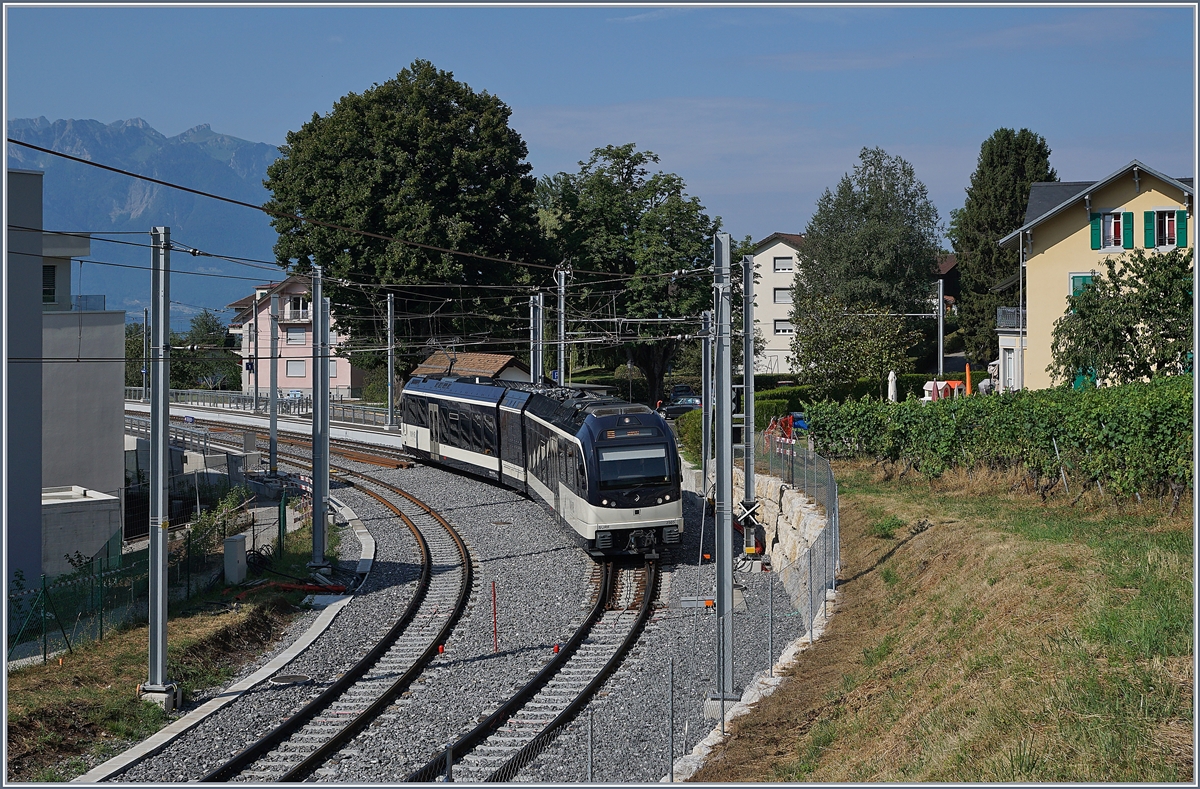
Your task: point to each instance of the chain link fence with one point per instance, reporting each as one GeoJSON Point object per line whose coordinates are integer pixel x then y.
{"type": "Point", "coordinates": [110, 593]}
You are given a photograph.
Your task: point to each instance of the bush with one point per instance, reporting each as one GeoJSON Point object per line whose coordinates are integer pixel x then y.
{"type": "Point", "coordinates": [688, 426]}
{"type": "Point", "coordinates": [1130, 439]}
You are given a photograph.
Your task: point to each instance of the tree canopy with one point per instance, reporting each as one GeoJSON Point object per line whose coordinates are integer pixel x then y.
{"type": "Point", "coordinates": [1132, 322]}
{"type": "Point", "coordinates": [995, 206]}
{"type": "Point", "coordinates": [874, 240]}
{"type": "Point", "coordinates": [425, 159]}
{"type": "Point", "coordinates": [837, 343]}
{"type": "Point", "coordinates": [615, 216]}
{"type": "Point", "coordinates": [212, 365]}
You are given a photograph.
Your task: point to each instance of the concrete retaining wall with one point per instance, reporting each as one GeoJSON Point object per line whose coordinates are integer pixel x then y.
{"type": "Point", "coordinates": [791, 522]}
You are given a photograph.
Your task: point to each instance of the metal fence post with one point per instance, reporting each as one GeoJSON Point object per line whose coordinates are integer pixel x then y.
{"type": "Point", "coordinates": [44, 652]}
{"type": "Point", "coordinates": [808, 554]}
{"type": "Point", "coordinates": [188, 561]}
{"type": "Point", "coordinates": [771, 625]}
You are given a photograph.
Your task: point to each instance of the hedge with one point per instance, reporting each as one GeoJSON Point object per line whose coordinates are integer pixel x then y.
{"type": "Point", "coordinates": [1130, 439]}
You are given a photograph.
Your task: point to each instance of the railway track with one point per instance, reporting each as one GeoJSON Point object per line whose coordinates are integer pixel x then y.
{"type": "Point", "coordinates": [522, 727]}
{"type": "Point", "coordinates": [303, 742]}
{"type": "Point", "coordinates": [508, 739]}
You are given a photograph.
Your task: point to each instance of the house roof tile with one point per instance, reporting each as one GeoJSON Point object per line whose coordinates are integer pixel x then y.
{"type": "Point", "coordinates": [487, 365]}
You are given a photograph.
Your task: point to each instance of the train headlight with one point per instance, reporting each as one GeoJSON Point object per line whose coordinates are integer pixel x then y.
{"type": "Point", "coordinates": [604, 502]}
{"type": "Point", "coordinates": [659, 501]}
{"type": "Point", "coordinates": [667, 497]}
{"type": "Point", "coordinates": [612, 503]}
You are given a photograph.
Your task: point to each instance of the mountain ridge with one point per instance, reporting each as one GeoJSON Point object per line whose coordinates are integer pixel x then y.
{"type": "Point", "coordinates": [87, 199]}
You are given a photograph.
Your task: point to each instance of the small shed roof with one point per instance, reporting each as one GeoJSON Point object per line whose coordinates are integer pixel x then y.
{"type": "Point", "coordinates": [488, 365]}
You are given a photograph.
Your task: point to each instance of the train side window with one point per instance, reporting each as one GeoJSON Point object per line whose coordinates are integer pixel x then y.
{"type": "Point", "coordinates": [489, 432]}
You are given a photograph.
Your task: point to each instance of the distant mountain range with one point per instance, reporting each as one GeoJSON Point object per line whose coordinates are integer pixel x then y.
{"type": "Point", "coordinates": [78, 197]}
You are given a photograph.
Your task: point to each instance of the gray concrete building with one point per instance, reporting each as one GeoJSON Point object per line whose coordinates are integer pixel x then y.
{"type": "Point", "coordinates": [64, 397]}
{"type": "Point", "coordinates": [22, 389]}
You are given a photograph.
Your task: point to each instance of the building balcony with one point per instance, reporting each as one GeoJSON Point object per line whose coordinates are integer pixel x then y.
{"type": "Point", "coordinates": [88, 303]}
{"type": "Point", "coordinates": [289, 315]}
{"type": "Point", "coordinates": [1010, 318]}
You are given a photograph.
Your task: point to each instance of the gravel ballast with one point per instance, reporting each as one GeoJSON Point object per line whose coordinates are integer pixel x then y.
{"type": "Point", "coordinates": [544, 583]}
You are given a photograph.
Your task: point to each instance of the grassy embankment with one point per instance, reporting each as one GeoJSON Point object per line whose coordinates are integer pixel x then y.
{"type": "Point", "coordinates": [88, 706]}
{"type": "Point", "coordinates": [982, 635]}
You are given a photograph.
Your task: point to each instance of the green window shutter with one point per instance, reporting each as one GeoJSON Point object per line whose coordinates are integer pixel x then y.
{"type": "Point", "coordinates": [1095, 231]}
{"type": "Point", "coordinates": [1151, 230]}
{"type": "Point", "coordinates": [1127, 230]}
{"type": "Point", "coordinates": [1181, 228]}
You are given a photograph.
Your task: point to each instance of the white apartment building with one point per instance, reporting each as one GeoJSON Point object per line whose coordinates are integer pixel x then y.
{"type": "Point", "coordinates": [775, 259]}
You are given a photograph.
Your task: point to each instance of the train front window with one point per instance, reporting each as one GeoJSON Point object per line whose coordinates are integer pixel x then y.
{"type": "Point", "coordinates": [633, 466]}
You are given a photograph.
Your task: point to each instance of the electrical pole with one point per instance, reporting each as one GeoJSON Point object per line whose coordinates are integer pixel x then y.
{"type": "Point", "coordinates": [561, 276]}
{"type": "Point", "coordinates": [145, 354]}
{"type": "Point", "coordinates": [320, 407]}
{"type": "Point", "coordinates": [274, 379]}
{"type": "Point", "coordinates": [160, 462]}
{"type": "Point", "coordinates": [533, 340]}
{"type": "Point", "coordinates": [254, 331]}
{"type": "Point", "coordinates": [723, 437]}
{"type": "Point", "coordinates": [541, 336]}
{"type": "Point", "coordinates": [706, 395]}
{"type": "Point", "coordinates": [391, 365]}
{"type": "Point", "coordinates": [941, 316]}
{"type": "Point", "coordinates": [748, 521]}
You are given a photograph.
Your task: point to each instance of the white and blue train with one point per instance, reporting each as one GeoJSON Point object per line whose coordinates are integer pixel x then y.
{"type": "Point", "coordinates": [608, 469]}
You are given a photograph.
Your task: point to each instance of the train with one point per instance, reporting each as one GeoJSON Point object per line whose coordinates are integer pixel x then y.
{"type": "Point", "coordinates": [608, 470]}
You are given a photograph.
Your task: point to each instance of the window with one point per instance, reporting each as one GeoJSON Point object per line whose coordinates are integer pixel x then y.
{"type": "Point", "coordinates": [621, 468]}
{"type": "Point", "coordinates": [333, 368]}
{"type": "Point", "coordinates": [1112, 230]}
{"type": "Point", "coordinates": [1078, 281]}
{"type": "Point", "coordinates": [1166, 227]}
{"type": "Point", "coordinates": [783, 295]}
{"type": "Point", "coordinates": [295, 368]}
{"type": "Point", "coordinates": [295, 336]}
{"type": "Point", "coordinates": [49, 281]}
{"type": "Point", "coordinates": [784, 327]}
{"type": "Point", "coordinates": [784, 264]}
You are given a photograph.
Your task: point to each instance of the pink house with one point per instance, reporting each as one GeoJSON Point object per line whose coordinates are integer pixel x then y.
{"type": "Point", "coordinates": [295, 341]}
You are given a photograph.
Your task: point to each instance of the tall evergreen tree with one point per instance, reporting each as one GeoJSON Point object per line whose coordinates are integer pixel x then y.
{"type": "Point", "coordinates": [875, 239]}
{"type": "Point", "coordinates": [1009, 162]}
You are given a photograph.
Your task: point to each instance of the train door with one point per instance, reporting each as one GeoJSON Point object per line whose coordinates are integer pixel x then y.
{"type": "Point", "coordinates": [552, 473]}
{"type": "Point", "coordinates": [435, 431]}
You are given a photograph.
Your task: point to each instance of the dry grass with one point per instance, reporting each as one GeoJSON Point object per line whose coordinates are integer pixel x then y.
{"type": "Point", "coordinates": [88, 704]}
{"type": "Point", "coordinates": [976, 649]}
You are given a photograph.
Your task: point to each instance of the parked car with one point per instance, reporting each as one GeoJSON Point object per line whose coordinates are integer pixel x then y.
{"type": "Point", "coordinates": [679, 406]}
{"type": "Point", "coordinates": [681, 390]}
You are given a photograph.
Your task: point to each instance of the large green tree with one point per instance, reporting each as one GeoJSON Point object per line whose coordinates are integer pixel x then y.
{"type": "Point", "coordinates": [836, 343]}
{"type": "Point", "coordinates": [616, 217]}
{"type": "Point", "coordinates": [874, 240]}
{"type": "Point", "coordinates": [425, 159]}
{"type": "Point", "coordinates": [1132, 322]}
{"type": "Point", "coordinates": [1009, 161]}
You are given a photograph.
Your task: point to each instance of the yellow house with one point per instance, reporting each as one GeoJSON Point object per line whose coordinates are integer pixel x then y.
{"type": "Point", "coordinates": [1070, 229]}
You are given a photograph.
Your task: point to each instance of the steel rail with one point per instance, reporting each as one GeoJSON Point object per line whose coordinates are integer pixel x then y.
{"type": "Point", "coordinates": [376, 708]}
{"type": "Point", "coordinates": [272, 739]}
{"type": "Point", "coordinates": [530, 751]}
{"type": "Point", "coordinates": [436, 766]}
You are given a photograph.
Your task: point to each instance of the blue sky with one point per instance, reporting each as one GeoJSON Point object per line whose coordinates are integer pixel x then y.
{"type": "Point", "coordinates": [759, 109]}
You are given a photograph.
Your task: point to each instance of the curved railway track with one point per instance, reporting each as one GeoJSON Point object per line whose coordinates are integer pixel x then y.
{"type": "Point", "coordinates": [522, 727]}
{"type": "Point", "coordinates": [303, 742]}
{"type": "Point", "coordinates": [507, 740]}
